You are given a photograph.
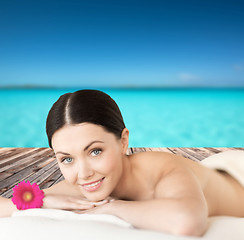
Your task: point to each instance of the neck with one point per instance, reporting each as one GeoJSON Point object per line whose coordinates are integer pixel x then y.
{"type": "Point", "coordinates": [124, 187]}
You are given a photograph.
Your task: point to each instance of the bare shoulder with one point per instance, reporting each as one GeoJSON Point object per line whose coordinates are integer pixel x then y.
{"type": "Point", "coordinates": [166, 162]}
{"type": "Point", "coordinates": [167, 170]}
{"type": "Point", "coordinates": [163, 161]}
{"type": "Point", "coordinates": [142, 156]}
{"type": "Point", "coordinates": [155, 165]}
{"type": "Point", "coordinates": [63, 188]}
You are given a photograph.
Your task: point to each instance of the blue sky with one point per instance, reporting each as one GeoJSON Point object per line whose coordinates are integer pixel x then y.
{"type": "Point", "coordinates": [122, 43]}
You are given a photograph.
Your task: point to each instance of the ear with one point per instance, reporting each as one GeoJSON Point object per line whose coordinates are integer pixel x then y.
{"type": "Point", "coordinates": [125, 140]}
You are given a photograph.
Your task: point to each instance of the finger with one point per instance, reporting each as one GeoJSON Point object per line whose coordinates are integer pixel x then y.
{"type": "Point", "coordinates": [84, 202]}
{"type": "Point", "coordinates": [76, 206]}
{"type": "Point", "coordinates": [81, 202]}
{"type": "Point", "coordinates": [111, 199]}
{"type": "Point", "coordinates": [83, 206]}
{"type": "Point", "coordinates": [93, 203]}
{"type": "Point", "coordinates": [77, 211]}
{"type": "Point", "coordinates": [82, 211]}
{"type": "Point", "coordinates": [101, 202]}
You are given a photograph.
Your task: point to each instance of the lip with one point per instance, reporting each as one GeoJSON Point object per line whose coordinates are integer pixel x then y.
{"type": "Point", "coordinates": [88, 188]}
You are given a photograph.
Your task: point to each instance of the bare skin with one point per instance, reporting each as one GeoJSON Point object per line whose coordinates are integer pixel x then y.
{"type": "Point", "coordinates": [163, 186]}
{"type": "Point", "coordinates": [175, 191]}
{"type": "Point", "coordinates": [223, 194]}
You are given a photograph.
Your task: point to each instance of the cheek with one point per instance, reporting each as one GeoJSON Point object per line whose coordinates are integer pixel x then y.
{"type": "Point", "coordinates": [68, 173]}
{"type": "Point", "coordinates": [111, 163]}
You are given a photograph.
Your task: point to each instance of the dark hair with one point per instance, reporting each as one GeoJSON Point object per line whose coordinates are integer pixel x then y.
{"type": "Point", "coordinates": [91, 106]}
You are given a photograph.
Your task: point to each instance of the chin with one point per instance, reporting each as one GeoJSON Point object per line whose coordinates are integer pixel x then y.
{"type": "Point", "coordinates": [96, 198]}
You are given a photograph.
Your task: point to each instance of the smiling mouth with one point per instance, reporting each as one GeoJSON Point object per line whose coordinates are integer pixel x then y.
{"type": "Point", "coordinates": [90, 187]}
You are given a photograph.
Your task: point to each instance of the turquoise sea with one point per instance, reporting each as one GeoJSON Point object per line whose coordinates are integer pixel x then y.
{"type": "Point", "coordinates": [155, 118]}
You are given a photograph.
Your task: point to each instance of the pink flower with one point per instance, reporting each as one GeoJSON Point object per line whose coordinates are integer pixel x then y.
{"type": "Point", "coordinates": [27, 196]}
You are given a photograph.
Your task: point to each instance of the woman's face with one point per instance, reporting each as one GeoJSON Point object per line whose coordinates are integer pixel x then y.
{"type": "Point", "coordinates": [90, 157]}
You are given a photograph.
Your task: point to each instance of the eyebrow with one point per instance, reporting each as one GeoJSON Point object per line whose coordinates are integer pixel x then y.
{"type": "Point", "coordinates": [83, 149]}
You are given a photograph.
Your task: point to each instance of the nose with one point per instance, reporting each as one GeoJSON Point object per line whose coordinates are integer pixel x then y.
{"type": "Point", "coordinates": [85, 171]}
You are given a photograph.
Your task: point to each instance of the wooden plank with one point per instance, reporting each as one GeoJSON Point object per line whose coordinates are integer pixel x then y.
{"type": "Point", "coordinates": [204, 152]}
{"type": "Point", "coordinates": [40, 165]}
{"type": "Point", "coordinates": [4, 151]}
{"type": "Point", "coordinates": [37, 164]}
{"type": "Point", "coordinates": [213, 150]}
{"type": "Point", "coordinates": [159, 150]}
{"type": "Point", "coordinates": [21, 161]}
{"type": "Point", "coordinates": [136, 150]}
{"type": "Point", "coordinates": [52, 179]}
{"type": "Point", "coordinates": [59, 179]}
{"type": "Point", "coordinates": [193, 154]}
{"type": "Point", "coordinates": [44, 172]}
{"type": "Point", "coordinates": [10, 152]}
{"type": "Point", "coordinates": [39, 178]}
{"type": "Point", "coordinates": [25, 172]}
{"type": "Point", "coordinates": [7, 194]}
{"type": "Point", "coordinates": [15, 155]}
{"type": "Point", "coordinates": [239, 148]}
{"type": "Point", "coordinates": [183, 152]}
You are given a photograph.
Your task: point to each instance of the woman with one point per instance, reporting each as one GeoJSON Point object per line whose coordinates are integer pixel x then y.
{"type": "Point", "coordinates": [151, 190]}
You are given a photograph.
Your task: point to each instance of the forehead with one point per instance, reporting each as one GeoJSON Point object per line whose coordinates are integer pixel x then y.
{"type": "Point", "coordinates": [80, 133]}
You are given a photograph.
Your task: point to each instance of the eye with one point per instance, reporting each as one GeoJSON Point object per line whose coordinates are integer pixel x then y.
{"type": "Point", "coordinates": [96, 152]}
{"type": "Point", "coordinates": [67, 160]}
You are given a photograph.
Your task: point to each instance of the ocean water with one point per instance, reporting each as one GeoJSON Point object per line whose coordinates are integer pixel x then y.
{"type": "Point", "coordinates": [155, 118]}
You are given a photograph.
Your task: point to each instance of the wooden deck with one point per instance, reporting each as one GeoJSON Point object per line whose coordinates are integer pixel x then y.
{"type": "Point", "coordinates": [39, 164]}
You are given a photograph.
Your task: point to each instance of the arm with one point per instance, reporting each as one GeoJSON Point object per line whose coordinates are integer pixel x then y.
{"type": "Point", "coordinates": [174, 216]}
{"type": "Point", "coordinates": [178, 207]}
{"type": "Point", "coordinates": [59, 196]}
{"type": "Point", "coordinates": [6, 207]}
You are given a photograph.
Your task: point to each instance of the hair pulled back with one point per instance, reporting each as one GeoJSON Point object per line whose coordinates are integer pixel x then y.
{"type": "Point", "coordinates": [90, 106]}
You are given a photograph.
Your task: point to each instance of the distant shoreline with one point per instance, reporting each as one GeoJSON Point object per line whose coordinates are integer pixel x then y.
{"type": "Point", "coordinates": [37, 87]}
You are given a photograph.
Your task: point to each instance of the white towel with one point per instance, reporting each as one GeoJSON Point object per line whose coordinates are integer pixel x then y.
{"type": "Point", "coordinates": [231, 161]}
{"type": "Point", "coordinates": [67, 215]}
{"type": "Point", "coordinates": [40, 224]}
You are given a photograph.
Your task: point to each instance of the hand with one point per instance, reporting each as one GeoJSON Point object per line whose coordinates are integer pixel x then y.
{"type": "Point", "coordinates": [103, 207]}
{"type": "Point", "coordinates": [70, 203]}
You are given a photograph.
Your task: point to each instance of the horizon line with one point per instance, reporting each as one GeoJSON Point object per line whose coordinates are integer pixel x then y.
{"type": "Point", "coordinates": [126, 87]}
{"type": "Point", "coordinates": [159, 87]}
